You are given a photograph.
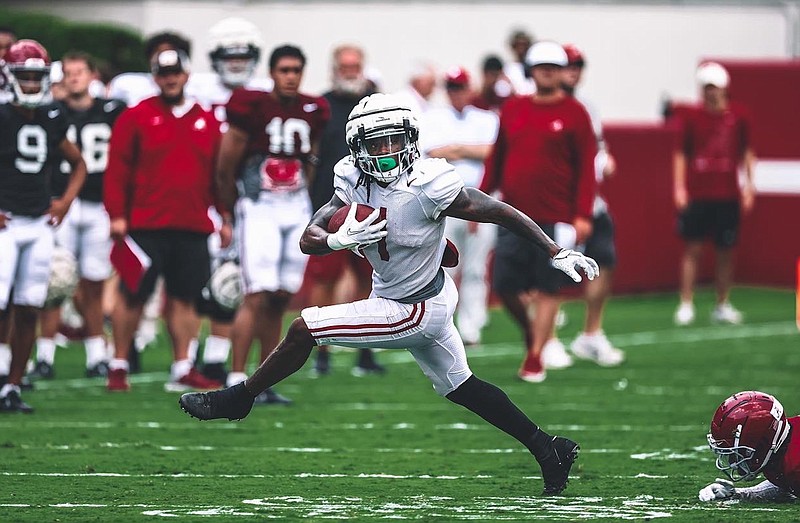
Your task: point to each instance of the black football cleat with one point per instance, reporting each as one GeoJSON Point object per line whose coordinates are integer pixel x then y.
{"type": "Point", "coordinates": [270, 397]}
{"type": "Point", "coordinates": [366, 364]}
{"type": "Point", "coordinates": [233, 403]}
{"type": "Point", "coordinates": [12, 402]}
{"type": "Point", "coordinates": [555, 469]}
{"type": "Point", "coordinates": [99, 370]}
{"type": "Point", "coordinates": [42, 371]}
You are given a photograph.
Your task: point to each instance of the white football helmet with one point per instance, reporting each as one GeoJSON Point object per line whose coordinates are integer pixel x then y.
{"type": "Point", "coordinates": [63, 276]}
{"type": "Point", "coordinates": [226, 286]}
{"type": "Point", "coordinates": [235, 45]}
{"type": "Point", "coordinates": [382, 135]}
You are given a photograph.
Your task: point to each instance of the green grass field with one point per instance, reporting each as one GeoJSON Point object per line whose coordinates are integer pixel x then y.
{"type": "Point", "coordinates": [389, 448]}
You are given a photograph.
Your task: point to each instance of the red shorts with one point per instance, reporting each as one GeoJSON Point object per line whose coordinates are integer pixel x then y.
{"type": "Point", "coordinates": [329, 268]}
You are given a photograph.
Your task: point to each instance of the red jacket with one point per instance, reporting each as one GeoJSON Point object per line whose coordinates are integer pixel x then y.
{"type": "Point", "coordinates": [160, 171]}
{"type": "Point", "coordinates": [543, 159]}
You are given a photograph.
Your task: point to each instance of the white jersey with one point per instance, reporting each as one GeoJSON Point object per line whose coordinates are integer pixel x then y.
{"type": "Point", "coordinates": [443, 126]}
{"type": "Point", "coordinates": [132, 88]}
{"type": "Point", "coordinates": [209, 91]}
{"type": "Point", "coordinates": [409, 257]}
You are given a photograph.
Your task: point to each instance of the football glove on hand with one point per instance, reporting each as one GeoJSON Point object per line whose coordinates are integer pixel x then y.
{"type": "Point", "coordinates": [354, 234]}
{"type": "Point", "coordinates": [720, 489]}
{"type": "Point", "coordinates": [567, 260]}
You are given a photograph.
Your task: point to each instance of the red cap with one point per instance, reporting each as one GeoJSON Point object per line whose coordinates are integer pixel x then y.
{"type": "Point", "coordinates": [456, 76]}
{"type": "Point", "coordinates": [574, 55]}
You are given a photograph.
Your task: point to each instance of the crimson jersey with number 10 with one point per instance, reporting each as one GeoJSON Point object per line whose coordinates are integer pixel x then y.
{"type": "Point", "coordinates": [281, 135]}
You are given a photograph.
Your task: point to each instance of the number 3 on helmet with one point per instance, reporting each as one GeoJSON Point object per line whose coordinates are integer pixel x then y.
{"type": "Point", "coordinates": [746, 431]}
{"type": "Point", "coordinates": [27, 71]}
{"type": "Point", "coordinates": [382, 135]}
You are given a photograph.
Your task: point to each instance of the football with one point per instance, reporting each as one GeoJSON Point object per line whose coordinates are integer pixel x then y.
{"type": "Point", "coordinates": [362, 212]}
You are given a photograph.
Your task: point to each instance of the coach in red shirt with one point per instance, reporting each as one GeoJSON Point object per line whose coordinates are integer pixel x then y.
{"type": "Point", "coordinates": [158, 188]}
{"type": "Point", "coordinates": [714, 142]}
{"type": "Point", "coordinates": [543, 164]}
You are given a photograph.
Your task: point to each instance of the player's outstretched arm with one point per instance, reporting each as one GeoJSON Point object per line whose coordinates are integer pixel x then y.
{"type": "Point", "coordinates": [474, 205]}
{"type": "Point", "coordinates": [723, 489]}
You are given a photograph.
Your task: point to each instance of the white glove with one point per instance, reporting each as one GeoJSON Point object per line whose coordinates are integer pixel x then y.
{"type": "Point", "coordinates": [567, 260]}
{"type": "Point", "coordinates": [720, 489]}
{"type": "Point", "coordinates": [354, 234]}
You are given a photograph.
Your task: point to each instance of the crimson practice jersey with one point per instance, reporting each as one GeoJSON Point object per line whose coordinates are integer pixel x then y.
{"type": "Point", "coordinates": [786, 473]}
{"type": "Point", "coordinates": [90, 130]}
{"type": "Point", "coordinates": [714, 145]}
{"type": "Point", "coordinates": [28, 157]}
{"type": "Point", "coordinates": [281, 135]}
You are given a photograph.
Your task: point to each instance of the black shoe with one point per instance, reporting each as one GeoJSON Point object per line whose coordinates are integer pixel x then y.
{"type": "Point", "coordinates": [43, 371]}
{"type": "Point", "coordinates": [134, 362]}
{"type": "Point", "coordinates": [100, 370]}
{"type": "Point", "coordinates": [233, 403]}
{"type": "Point", "coordinates": [12, 402]}
{"type": "Point", "coordinates": [367, 365]}
{"type": "Point", "coordinates": [270, 397]}
{"type": "Point", "coordinates": [322, 365]}
{"type": "Point", "coordinates": [555, 468]}
{"type": "Point", "coordinates": [215, 371]}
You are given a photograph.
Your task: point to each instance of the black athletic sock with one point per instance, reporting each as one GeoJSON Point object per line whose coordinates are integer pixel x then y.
{"type": "Point", "coordinates": [493, 405]}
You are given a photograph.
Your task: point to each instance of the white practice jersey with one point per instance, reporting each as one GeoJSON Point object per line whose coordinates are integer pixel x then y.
{"type": "Point", "coordinates": [410, 255]}
{"type": "Point", "coordinates": [132, 88]}
{"type": "Point", "coordinates": [209, 91]}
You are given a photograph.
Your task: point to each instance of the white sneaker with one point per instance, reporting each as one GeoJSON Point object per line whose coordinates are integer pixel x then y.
{"type": "Point", "coordinates": [684, 315]}
{"type": "Point", "coordinates": [725, 313]}
{"type": "Point", "coordinates": [598, 349]}
{"type": "Point", "coordinates": [554, 355]}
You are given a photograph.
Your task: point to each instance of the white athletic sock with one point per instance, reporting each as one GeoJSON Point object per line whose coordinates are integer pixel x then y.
{"type": "Point", "coordinates": [180, 369]}
{"type": "Point", "coordinates": [5, 359]}
{"type": "Point", "coordinates": [194, 344]}
{"type": "Point", "coordinates": [234, 378]}
{"type": "Point", "coordinates": [95, 350]}
{"type": "Point", "coordinates": [216, 349]}
{"type": "Point", "coordinates": [46, 350]}
{"type": "Point", "coordinates": [117, 364]}
{"type": "Point", "coordinates": [8, 387]}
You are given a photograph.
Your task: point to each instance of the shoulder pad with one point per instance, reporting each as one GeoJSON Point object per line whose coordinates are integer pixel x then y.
{"type": "Point", "coordinates": [345, 168]}
{"type": "Point", "coordinates": [429, 169]}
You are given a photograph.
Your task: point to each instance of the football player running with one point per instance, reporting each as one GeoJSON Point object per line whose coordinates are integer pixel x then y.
{"type": "Point", "coordinates": [751, 435]}
{"type": "Point", "coordinates": [413, 299]}
{"type": "Point", "coordinates": [33, 137]}
{"type": "Point", "coordinates": [85, 231]}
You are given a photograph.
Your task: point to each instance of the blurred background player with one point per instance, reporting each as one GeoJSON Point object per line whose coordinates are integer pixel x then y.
{"type": "Point", "coordinates": [33, 139]}
{"type": "Point", "coordinates": [543, 164]}
{"type": "Point", "coordinates": [751, 435]}
{"type": "Point", "coordinates": [592, 343]}
{"type": "Point", "coordinates": [235, 47]}
{"type": "Point", "coordinates": [85, 229]}
{"type": "Point", "coordinates": [463, 135]}
{"type": "Point", "coordinates": [163, 147]}
{"type": "Point", "coordinates": [271, 145]}
{"type": "Point", "coordinates": [714, 142]}
{"type": "Point", "coordinates": [421, 86]}
{"type": "Point", "coordinates": [518, 70]}
{"type": "Point", "coordinates": [330, 273]}
{"type": "Point", "coordinates": [495, 87]}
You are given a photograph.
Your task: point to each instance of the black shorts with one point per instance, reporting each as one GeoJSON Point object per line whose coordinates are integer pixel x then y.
{"type": "Point", "coordinates": [520, 265]}
{"type": "Point", "coordinates": [716, 219]}
{"type": "Point", "coordinates": [600, 244]}
{"type": "Point", "coordinates": [181, 257]}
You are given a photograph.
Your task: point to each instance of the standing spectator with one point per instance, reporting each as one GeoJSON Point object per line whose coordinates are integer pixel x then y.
{"type": "Point", "coordinates": [235, 50]}
{"type": "Point", "coordinates": [518, 71]}
{"type": "Point", "coordinates": [421, 85]}
{"type": "Point", "coordinates": [714, 143]}
{"type": "Point", "coordinates": [7, 39]}
{"type": "Point", "coordinates": [592, 343]}
{"type": "Point", "coordinates": [85, 229]}
{"type": "Point", "coordinates": [274, 137]}
{"type": "Point", "coordinates": [543, 163]}
{"type": "Point", "coordinates": [349, 86]}
{"type": "Point", "coordinates": [495, 87]}
{"type": "Point", "coordinates": [463, 135]}
{"type": "Point", "coordinates": [413, 299]}
{"type": "Point", "coordinates": [163, 147]}
{"type": "Point", "coordinates": [32, 133]}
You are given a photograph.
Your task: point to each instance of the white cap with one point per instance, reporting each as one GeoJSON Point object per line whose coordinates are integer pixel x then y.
{"type": "Point", "coordinates": [546, 52]}
{"type": "Point", "coordinates": [56, 72]}
{"type": "Point", "coordinates": [711, 73]}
